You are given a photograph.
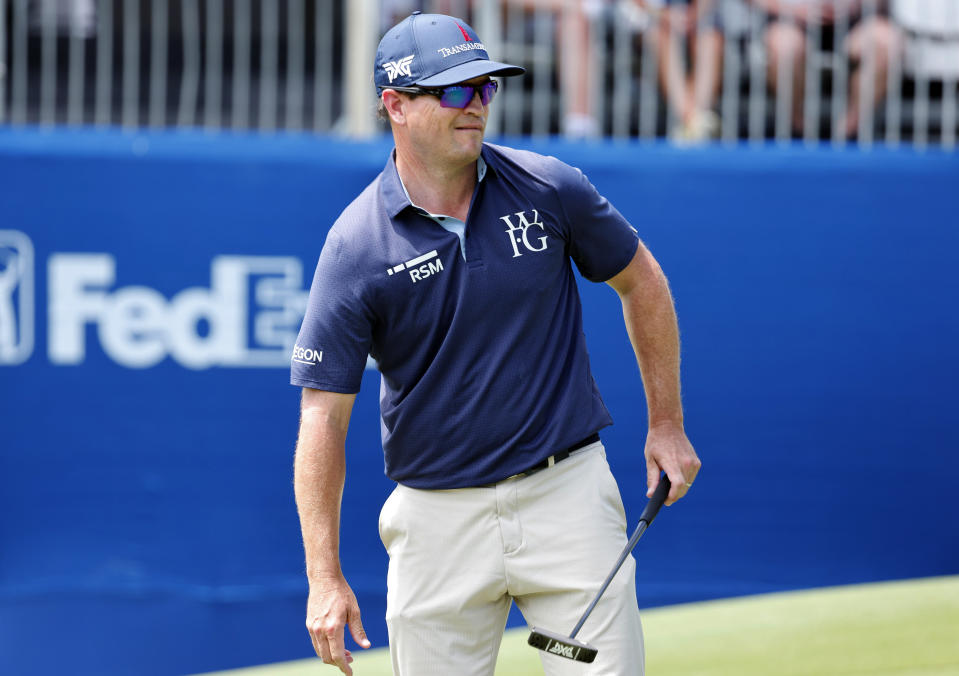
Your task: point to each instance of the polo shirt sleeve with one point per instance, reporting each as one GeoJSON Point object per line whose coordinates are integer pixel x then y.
{"type": "Point", "coordinates": [334, 339]}
{"type": "Point", "coordinates": [601, 241]}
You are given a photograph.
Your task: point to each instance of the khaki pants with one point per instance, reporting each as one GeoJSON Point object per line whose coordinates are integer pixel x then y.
{"type": "Point", "coordinates": [547, 541]}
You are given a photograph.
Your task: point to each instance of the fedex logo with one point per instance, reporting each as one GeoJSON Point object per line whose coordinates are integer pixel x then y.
{"type": "Point", "coordinates": [248, 317]}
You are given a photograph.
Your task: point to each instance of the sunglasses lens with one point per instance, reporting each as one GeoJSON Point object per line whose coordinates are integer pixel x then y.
{"type": "Point", "coordinates": [456, 97]}
{"type": "Point", "coordinates": [459, 96]}
{"type": "Point", "coordinates": [487, 92]}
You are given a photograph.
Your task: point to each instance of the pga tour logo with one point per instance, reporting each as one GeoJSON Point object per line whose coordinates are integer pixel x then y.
{"type": "Point", "coordinates": [16, 297]}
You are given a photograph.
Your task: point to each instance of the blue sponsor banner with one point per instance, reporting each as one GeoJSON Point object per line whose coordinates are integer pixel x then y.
{"type": "Point", "coordinates": [151, 287]}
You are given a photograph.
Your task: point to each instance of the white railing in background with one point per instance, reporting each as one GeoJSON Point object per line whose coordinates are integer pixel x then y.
{"type": "Point", "coordinates": [595, 67]}
{"type": "Point", "coordinates": [216, 64]}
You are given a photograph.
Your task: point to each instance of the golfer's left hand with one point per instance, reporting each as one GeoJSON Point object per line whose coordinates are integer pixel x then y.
{"type": "Point", "coordinates": [331, 606]}
{"type": "Point", "coordinates": [668, 450]}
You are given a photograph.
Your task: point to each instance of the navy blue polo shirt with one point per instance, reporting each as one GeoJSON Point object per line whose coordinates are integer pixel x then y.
{"type": "Point", "coordinates": [481, 349]}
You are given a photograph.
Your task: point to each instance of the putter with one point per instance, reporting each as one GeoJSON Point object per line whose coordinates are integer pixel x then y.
{"type": "Point", "coordinates": [567, 646]}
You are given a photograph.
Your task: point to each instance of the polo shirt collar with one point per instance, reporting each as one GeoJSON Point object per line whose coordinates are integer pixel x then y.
{"type": "Point", "coordinates": [393, 193]}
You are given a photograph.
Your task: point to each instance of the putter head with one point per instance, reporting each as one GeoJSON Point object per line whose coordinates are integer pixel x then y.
{"type": "Point", "coordinates": [564, 646]}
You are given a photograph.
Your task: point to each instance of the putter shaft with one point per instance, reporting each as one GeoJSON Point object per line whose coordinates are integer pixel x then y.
{"type": "Point", "coordinates": [569, 647]}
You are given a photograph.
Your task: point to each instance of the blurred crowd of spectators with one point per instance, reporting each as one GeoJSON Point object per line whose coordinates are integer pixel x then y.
{"type": "Point", "coordinates": [689, 42]}
{"type": "Point", "coordinates": [683, 46]}
{"type": "Point", "coordinates": [791, 39]}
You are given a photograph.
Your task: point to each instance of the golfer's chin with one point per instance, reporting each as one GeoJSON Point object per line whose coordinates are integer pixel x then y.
{"type": "Point", "coordinates": [469, 143]}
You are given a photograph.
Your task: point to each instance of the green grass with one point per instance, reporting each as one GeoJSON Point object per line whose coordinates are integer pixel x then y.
{"type": "Point", "coordinates": [906, 628]}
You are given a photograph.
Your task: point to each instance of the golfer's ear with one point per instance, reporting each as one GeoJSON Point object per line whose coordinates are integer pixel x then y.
{"type": "Point", "coordinates": [394, 104]}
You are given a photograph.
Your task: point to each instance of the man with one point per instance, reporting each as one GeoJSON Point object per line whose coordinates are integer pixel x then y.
{"type": "Point", "coordinates": [452, 269]}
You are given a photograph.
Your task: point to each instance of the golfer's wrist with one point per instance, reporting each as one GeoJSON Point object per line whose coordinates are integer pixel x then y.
{"type": "Point", "coordinates": [666, 422]}
{"type": "Point", "coordinates": [321, 574]}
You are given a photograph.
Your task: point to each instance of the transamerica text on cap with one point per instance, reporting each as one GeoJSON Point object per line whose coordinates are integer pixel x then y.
{"type": "Point", "coordinates": [465, 47]}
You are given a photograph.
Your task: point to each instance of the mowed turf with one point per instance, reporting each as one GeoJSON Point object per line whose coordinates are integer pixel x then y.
{"type": "Point", "coordinates": [908, 628]}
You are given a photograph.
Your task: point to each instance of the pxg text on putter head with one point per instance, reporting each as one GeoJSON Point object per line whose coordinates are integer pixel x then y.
{"type": "Point", "coordinates": [564, 646]}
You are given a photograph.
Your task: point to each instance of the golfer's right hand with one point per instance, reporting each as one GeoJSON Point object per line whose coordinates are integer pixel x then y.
{"type": "Point", "coordinates": [331, 606]}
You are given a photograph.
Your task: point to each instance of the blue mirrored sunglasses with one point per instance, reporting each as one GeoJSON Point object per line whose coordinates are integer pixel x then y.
{"type": "Point", "coordinates": [456, 96]}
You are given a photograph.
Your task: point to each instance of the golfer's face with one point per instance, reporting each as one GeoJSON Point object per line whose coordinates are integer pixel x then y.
{"type": "Point", "coordinates": [452, 134]}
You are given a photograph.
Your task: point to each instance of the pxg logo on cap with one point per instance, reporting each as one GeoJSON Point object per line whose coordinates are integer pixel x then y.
{"type": "Point", "coordinates": [433, 50]}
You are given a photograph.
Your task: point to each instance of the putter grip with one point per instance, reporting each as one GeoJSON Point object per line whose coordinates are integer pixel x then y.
{"type": "Point", "coordinates": [655, 502]}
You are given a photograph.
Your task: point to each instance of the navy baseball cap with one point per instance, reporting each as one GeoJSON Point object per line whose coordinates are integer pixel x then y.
{"type": "Point", "coordinates": [433, 50]}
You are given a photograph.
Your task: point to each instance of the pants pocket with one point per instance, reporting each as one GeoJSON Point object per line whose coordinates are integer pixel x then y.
{"type": "Point", "coordinates": [387, 524]}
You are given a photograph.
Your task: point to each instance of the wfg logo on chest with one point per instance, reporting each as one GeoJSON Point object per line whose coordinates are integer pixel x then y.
{"type": "Point", "coordinates": [519, 233]}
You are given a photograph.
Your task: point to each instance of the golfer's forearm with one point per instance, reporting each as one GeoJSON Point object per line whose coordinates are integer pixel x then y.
{"type": "Point", "coordinates": [318, 475]}
{"type": "Point", "coordinates": [654, 333]}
